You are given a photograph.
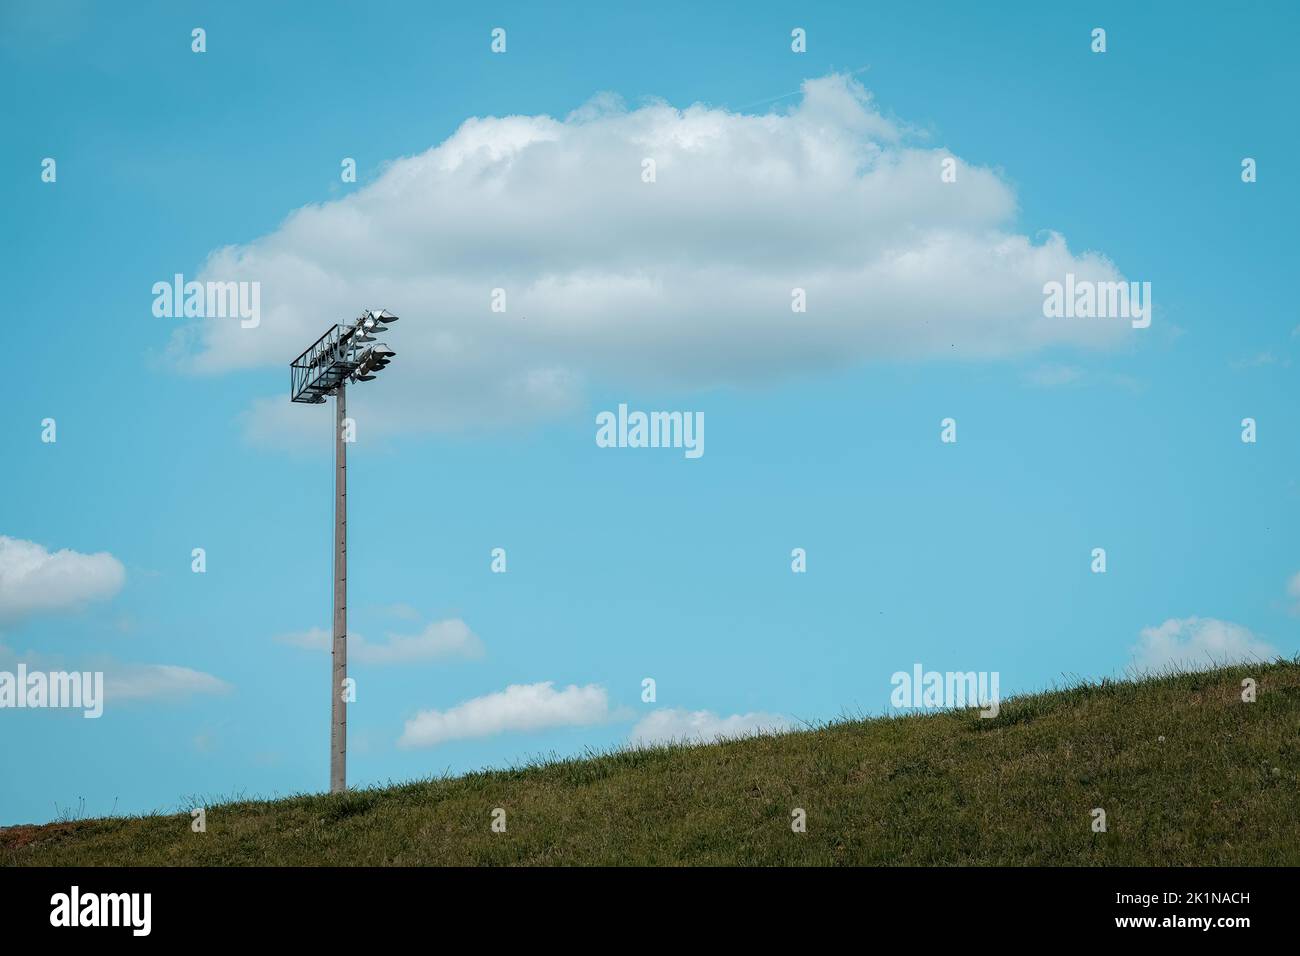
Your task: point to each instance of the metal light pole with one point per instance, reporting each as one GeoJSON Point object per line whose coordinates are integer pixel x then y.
{"type": "Point", "coordinates": [338, 702]}
{"type": "Point", "coordinates": [343, 354]}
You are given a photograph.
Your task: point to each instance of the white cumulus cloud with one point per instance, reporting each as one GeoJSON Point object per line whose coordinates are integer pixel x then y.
{"type": "Point", "coordinates": [1197, 643]}
{"type": "Point", "coordinates": [520, 707]}
{"type": "Point", "coordinates": [440, 639]}
{"type": "Point", "coordinates": [672, 725]}
{"type": "Point", "coordinates": [33, 579]}
{"type": "Point", "coordinates": [681, 282]}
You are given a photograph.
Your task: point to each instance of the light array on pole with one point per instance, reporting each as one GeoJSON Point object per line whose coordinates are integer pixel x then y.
{"type": "Point", "coordinates": [344, 353]}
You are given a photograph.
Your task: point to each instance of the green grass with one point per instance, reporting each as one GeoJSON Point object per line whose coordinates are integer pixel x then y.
{"type": "Point", "coordinates": [1221, 787]}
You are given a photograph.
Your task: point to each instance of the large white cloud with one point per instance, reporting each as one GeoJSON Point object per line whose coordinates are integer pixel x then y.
{"type": "Point", "coordinates": [1197, 643]}
{"type": "Point", "coordinates": [520, 707]}
{"type": "Point", "coordinates": [440, 639]}
{"type": "Point", "coordinates": [611, 280]}
{"type": "Point", "coordinates": [33, 579]}
{"type": "Point", "coordinates": [701, 726]}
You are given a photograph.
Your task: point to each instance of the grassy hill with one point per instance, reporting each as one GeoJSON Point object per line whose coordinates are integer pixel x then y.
{"type": "Point", "coordinates": [1186, 771]}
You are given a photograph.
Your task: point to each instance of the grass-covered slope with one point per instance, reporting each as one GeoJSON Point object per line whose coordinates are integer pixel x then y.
{"type": "Point", "coordinates": [1187, 773]}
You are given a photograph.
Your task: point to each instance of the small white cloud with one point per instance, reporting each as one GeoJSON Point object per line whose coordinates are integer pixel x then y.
{"type": "Point", "coordinates": [440, 639]}
{"type": "Point", "coordinates": [158, 681]}
{"type": "Point", "coordinates": [1293, 590]}
{"type": "Point", "coordinates": [1052, 376]}
{"type": "Point", "coordinates": [520, 707]}
{"type": "Point", "coordinates": [701, 726]}
{"type": "Point", "coordinates": [123, 681]}
{"type": "Point", "coordinates": [1261, 360]}
{"type": "Point", "coordinates": [312, 639]}
{"type": "Point", "coordinates": [403, 612]}
{"type": "Point", "coordinates": [1058, 376]}
{"type": "Point", "coordinates": [1197, 643]}
{"type": "Point", "coordinates": [33, 579]}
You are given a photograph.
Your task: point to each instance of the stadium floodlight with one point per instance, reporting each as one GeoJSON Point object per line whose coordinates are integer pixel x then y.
{"type": "Point", "coordinates": [343, 354]}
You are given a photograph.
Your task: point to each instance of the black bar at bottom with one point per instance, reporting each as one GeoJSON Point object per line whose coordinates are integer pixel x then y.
{"type": "Point", "coordinates": [334, 906]}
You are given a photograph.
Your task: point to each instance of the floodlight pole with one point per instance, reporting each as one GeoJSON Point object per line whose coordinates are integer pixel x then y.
{"type": "Point", "coordinates": [339, 705]}
{"type": "Point", "coordinates": [343, 354]}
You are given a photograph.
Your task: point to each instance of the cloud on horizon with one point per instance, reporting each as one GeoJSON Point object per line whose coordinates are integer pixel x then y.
{"type": "Point", "coordinates": [672, 725]}
{"type": "Point", "coordinates": [520, 707]}
{"type": "Point", "coordinates": [684, 282]}
{"type": "Point", "coordinates": [1198, 643]}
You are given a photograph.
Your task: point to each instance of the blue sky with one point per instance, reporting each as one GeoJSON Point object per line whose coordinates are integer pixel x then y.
{"type": "Point", "coordinates": [627, 563]}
